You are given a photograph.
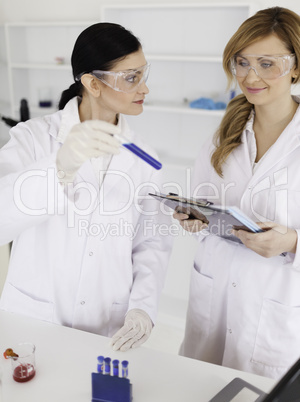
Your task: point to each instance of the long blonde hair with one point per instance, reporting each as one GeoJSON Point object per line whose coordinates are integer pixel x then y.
{"type": "Point", "coordinates": [276, 20]}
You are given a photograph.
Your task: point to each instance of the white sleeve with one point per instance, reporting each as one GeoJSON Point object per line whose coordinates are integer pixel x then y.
{"type": "Point", "coordinates": [292, 258]}
{"type": "Point", "coordinates": [26, 184]}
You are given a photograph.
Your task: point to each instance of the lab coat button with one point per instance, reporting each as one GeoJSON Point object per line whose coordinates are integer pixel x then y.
{"type": "Point", "coordinates": [82, 302]}
{"type": "Point", "coordinates": [230, 331]}
{"type": "Point", "coordinates": [91, 253]}
{"type": "Point", "coordinates": [234, 284]}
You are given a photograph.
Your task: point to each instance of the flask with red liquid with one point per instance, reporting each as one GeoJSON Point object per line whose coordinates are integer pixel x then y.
{"type": "Point", "coordinates": [23, 372]}
{"type": "Point", "coordinates": [23, 366]}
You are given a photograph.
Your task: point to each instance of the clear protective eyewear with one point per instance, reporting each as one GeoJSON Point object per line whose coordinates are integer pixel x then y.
{"type": "Point", "coordinates": [122, 81]}
{"type": "Point", "coordinates": [265, 67]}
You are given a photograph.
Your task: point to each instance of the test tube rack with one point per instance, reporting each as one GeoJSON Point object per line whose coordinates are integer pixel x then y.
{"type": "Point", "coordinates": [108, 388]}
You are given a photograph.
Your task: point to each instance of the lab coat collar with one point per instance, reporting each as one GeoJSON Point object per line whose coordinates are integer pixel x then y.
{"type": "Point", "coordinates": [125, 159]}
{"type": "Point", "coordinates": [287, 142]}
{"type": "Point", "coordinates": [241, 153]}
{"type": "Point", "coordinates": [70, 117]}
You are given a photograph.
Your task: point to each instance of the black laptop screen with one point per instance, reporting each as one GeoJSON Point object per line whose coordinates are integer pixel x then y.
{"type": "Point", "coordinates": [288, 388]}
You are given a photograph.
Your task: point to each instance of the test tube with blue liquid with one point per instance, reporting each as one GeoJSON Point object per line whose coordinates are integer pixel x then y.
{"type": "Point", "coordinates": [100, 365]}
{"type": "Point", "coordinates": [115, 365]}
{"type": "Point", "coordinates": [138, 152]}
{"type": "Point", "coordinates": [107, 361]}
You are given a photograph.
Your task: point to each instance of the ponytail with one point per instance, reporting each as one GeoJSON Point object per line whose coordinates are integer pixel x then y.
{"type": "Point", "coordinates": [68, 94]}
{"type": "Point", "coordinates": [98, 47]}
{"type": "Point", "coordinates": [229, 134]}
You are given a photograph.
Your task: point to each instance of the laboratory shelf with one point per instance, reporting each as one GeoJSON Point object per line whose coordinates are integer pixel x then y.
{"type": "Point", "coordinates": [51, 24]}
{"type": "Point", "coordinates": [38, 60]}
{"type": "Point", "coordinates": [36, 111]}
{"type": "Point", "coordinates": [176, 5]}
{"type": "Point", "coordinates": [184, 58]}
{"type": "Point", "coordinates": [41, 66]}
{"type": "Point", "coordinates": [181, 108]}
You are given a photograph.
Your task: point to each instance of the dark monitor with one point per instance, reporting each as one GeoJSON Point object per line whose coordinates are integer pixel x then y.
{"type": "Point", "coordinates": [286, 390]}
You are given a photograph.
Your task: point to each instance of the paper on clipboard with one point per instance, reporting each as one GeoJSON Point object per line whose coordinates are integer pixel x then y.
{"type": "Point", "coordinates": [220, 220]}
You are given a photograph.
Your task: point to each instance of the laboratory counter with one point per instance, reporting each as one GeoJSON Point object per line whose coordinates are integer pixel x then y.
{"type": "Point", "coordinates": [65, 359]}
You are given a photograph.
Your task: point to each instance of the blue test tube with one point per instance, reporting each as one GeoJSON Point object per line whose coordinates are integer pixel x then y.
{"type": "Point", "coordinates": [107, 361]}
{"type": "Point", "coordinates": [124, 368]}
{"type": "Point", "coordinates": [115, 364]}
{"type": "Point", "coordinates": [100, 365]}
{"type": "Point", "coordinates": [139, 152]}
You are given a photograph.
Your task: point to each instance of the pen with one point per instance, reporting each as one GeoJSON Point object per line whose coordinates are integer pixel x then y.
{"type": "Point", "coordinates": [138, 151]}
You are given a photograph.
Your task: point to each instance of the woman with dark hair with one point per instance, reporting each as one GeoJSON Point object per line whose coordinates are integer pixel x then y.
{"type": "Point", "coordinates": [87, 249]}
{"type": "Point", "coordinates": [244, 306]}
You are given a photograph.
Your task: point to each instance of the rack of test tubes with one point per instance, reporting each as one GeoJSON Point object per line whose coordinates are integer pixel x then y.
{"type": "Point", "coordinates": [107, 385]}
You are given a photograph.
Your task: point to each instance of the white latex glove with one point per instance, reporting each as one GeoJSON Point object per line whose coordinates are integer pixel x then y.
{"type": "Point", "coordinates": [135, 331]}
{"type": "Point", "coordinates": [86, 140]}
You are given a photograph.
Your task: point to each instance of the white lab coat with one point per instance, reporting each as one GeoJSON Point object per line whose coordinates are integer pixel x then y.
{"type": "Point", "coordinates": [244, 309]}
{"type": "Point", "coordinates": [81, 257]}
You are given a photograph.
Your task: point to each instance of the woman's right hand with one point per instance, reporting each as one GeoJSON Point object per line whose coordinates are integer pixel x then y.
{"type": "Point", "coordinates": [190, 225]}
{"type": "Point", "coordinates": [90, 139]}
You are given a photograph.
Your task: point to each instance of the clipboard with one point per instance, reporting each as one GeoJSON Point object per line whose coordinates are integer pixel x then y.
{"type": "Point", "coordinates": [220, 220]}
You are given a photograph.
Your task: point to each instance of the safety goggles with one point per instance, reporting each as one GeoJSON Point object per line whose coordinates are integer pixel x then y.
{"type": "Point", "coordinates": [122, 81]}
{"type": "Point", "coordinates": [265, 67]}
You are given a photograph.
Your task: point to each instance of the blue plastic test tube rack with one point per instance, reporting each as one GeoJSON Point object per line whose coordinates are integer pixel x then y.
{"type": "Point", "coordinates": [108, 388]}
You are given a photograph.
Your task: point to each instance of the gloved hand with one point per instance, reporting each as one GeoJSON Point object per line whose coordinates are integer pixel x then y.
{"type": "Point", "coordinates": [86, 140]}
{"type": "Point", "coordinates": [135, 331]}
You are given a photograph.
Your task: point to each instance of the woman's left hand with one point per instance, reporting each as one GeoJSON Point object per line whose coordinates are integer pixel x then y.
{"type": "Point", "coordinates": [275, 240]}
{"type": "Point", "coordinates": [135, 331]}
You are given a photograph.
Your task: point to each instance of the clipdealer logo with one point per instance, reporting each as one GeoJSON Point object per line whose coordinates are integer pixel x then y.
{"type": "Point", "coordinates": [39, 193]}
{"type": "Point", "coordinates": [123, 228]}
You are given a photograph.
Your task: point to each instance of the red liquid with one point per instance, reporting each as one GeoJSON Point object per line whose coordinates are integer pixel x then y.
{"type": "Point", "coordinates": [24, 372]}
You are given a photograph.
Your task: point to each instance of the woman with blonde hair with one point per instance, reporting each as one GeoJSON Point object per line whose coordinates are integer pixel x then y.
{"type": "Point", "coordinates": [244, 306]}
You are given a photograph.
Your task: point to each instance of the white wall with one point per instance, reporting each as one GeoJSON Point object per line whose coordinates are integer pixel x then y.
{"type": "Point", "coordinates": [68, 10]}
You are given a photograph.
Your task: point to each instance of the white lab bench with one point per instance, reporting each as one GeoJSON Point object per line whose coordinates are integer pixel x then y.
{"type": "Point", "coordinates": [65, 359]}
